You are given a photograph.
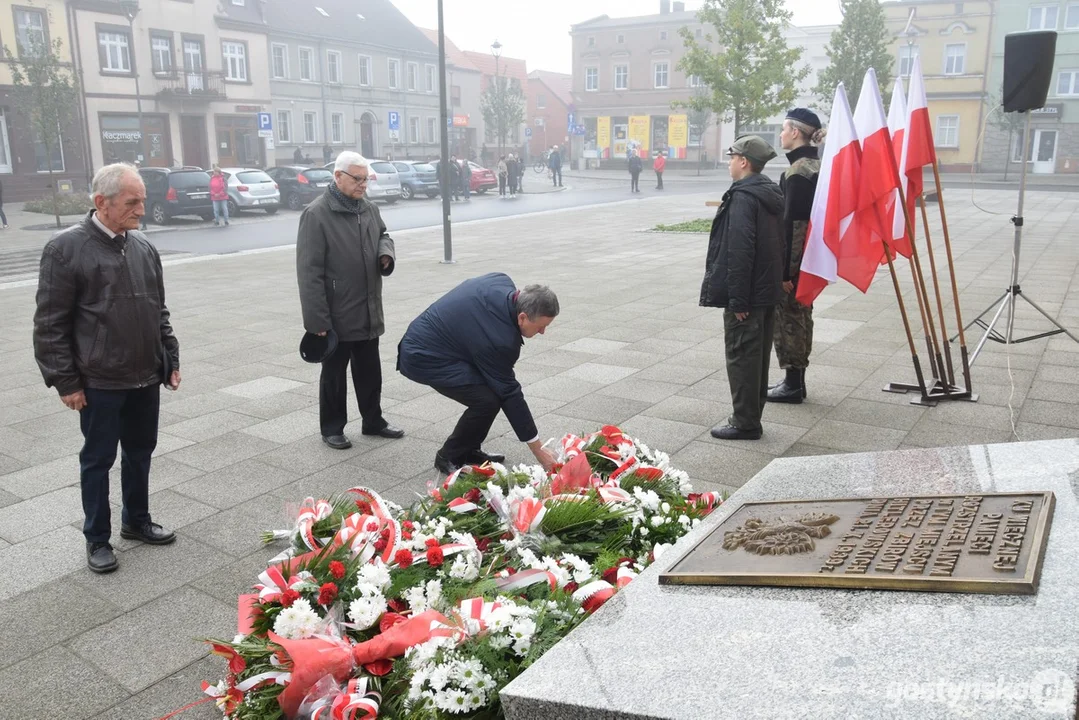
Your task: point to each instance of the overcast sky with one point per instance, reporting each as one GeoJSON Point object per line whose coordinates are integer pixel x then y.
{"type": "Point", "coordinates": [538, 31]}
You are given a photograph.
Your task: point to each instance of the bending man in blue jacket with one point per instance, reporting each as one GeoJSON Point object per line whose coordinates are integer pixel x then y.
{"type": "Point", "coordinates": [465, 346]}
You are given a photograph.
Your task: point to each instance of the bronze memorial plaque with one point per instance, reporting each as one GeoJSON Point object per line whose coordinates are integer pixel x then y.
{"type": "Point", "coordinates": [991, 543]}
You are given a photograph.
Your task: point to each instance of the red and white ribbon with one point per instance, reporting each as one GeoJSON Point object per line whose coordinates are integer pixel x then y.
{"type": "Point", "coordinates": [355, 703]}
{"type": "Point", "coordinates": [479, 610]}
{"type": "Point", "coordinates": [624, 577]}
{"type": "Point", "coordinates": [612, 494]}
{"type": "Point", "coordinates": [311, 511]}
{"type": "Point", "coordinates": [272, 583]}
{"type": "Point", "coordinates": [592, 595]}
{"type": "Point", "coordinates": [379, 509]}
{"type": "Point", "coordinates": [460, 505]}
{"type": "Point", "coordinates": [529, 515]}
{"type": "Point", "coordinates": [526, 578]}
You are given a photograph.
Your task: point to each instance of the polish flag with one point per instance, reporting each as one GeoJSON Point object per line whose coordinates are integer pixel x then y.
{"type": "Point", "coordinates": [897, 126]}
{"type": "Point", "coordinates": [918, 149]}
{"type": "Point", "coordinates": [834, 203]}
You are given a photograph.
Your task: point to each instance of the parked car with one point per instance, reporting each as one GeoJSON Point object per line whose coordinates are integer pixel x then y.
{"type": "Point", "coordinates": [171, 192]}
{"type": "Point", "coordinates": [299, 184]}
{"type": "Point", "coordinates": [482, 179]}
{"type": "Point", "coordinates": [251, 189]}
{"type": "Point", "coordinates": [417, 178]}
{"type": "Point", "coordinates": [383, 181]}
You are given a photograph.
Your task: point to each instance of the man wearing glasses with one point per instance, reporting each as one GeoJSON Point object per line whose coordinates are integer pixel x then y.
{"type": "Point", "coordinates": [342, 253]}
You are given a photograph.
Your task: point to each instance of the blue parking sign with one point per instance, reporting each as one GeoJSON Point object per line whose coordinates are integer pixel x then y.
{"type": "Point", "coordinates": [395, 120]}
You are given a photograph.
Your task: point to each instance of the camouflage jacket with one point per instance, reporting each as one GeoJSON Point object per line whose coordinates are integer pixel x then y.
{"type": "Point", "coordinates": [798, 184]}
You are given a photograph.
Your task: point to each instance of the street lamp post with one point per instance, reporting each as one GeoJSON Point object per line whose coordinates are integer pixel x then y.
{"type": "Point", "coordinates": [496, 50]}
{"type": "Point", "coordinates": [444, 137]}
{"type": "Point", "coordinates": [131, 9]}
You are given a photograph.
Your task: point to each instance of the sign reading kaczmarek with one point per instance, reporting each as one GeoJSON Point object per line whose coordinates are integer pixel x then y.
{"type": "Point", "coordinates": [988, 543]}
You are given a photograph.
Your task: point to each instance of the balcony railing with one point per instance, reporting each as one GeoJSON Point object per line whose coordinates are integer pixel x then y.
{"type": "Point", "coordinates": [199, 85]}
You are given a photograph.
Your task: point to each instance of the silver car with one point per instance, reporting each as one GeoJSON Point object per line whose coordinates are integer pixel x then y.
{"type": "Point", "coordinates": [383, 181]}
{"type": "Point", "coordinates": [251, 189]}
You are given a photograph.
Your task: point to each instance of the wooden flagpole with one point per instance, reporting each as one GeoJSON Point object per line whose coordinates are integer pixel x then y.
{"type": "Point", "coordinates": [936, 288]}
{"type": "Point", "coordinates": [906, 322]}
{"type": "Point", "coordinates": [920, 290]}
{"type": "Point", "coordinates": [955, 287]}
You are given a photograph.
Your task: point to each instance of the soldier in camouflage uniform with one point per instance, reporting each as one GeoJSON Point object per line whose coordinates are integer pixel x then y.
{"type": "Point", "coordinates": [794, 321]}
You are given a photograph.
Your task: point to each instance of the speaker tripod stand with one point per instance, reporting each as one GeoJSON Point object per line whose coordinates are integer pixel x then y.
{"type": "Point", "coordinates": [1014, 293]}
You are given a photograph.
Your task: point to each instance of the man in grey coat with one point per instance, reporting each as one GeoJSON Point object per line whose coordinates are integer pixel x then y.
{"type": "Point", "coordinates": [342, 253]}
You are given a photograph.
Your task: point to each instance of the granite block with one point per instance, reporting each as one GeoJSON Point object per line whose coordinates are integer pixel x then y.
{"type": "Point", "coordinates": [309, 455]}
{"type": "Point", "coordinates": [57, 684]}
{"type": "Point", "coordinates": [23, 520]}
{"type": "Point", "coordinates": [930, 432]}
{"type": "Point", "coordinates": [41, 559]}
{"type": "Point", "coordinates": [668, 372]}
{"type": "Point", "coordinates": [268, 408]}
{"type": "Point", "coordinates": [648, 391]}
{"type": "Point", "coordinates": [228, 582]}
{"type": "Point", "coordinates": [799, 652]}
{"type": "Point", "coordinates": [337, 479]}
{"type": "Point", "coordinates": [7, 498]}
{"type": "Point", "coordinates": [167, 443]}
{"type": "Point", "coordinates": [238, 530]}
{"type": "Point", "coordinates": [1049, 413]}
{"type": "Point", "coordinates": [130, 650]}
{"type": "Point", "coordinates": [565, 388]}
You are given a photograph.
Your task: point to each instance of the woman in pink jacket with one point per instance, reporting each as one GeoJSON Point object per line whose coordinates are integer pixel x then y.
{"type": "Point", "coordinates": [220, 196]}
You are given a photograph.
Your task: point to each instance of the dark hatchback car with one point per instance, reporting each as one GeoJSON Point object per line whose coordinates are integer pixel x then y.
{"type": "Point", "coordinates": [417, 178]}
{"type": "Point", "coordinates": [300, 185]}
{"type": "Point", "coordinates": [171, 192]}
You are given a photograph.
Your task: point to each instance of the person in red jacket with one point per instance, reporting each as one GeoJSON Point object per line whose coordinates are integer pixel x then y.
{"type": "Point", "coordinates": [659, 166]}
{"type": "Point", "coordinates": [220, 196]}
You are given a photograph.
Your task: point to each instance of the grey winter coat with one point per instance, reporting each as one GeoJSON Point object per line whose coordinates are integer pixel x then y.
{"type": "Point", "coordinates": [338, 268]}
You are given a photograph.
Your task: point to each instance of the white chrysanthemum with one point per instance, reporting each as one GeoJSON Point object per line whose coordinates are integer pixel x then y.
{"type": "Point", "coordinates": [518, 494]}
{"type": "Point", "coordinates": [375, 574]}
{"type": "Point", "coordinates": [529, 559]}
{"type": "Point", "coordinates": [500, 642]}
{"type": "Point", "coordinates": [366, 589]}
{"type": "Point", "coordinates": [660, 548]}
{"type": "Point", "coordinates": [440, 677]}
{"type": "Point", "coordinates": [664, 507]}
{"type": "Point", "coordinates": [644, 531]}
{"type": "Point", "coordinates": [523, 629]}
{"type": "Point", "coordinates": [648, 499]}
{"type": "Point", "coordinates": [365, 612]}
{"type": "Point", "coordinates": [499, 619]}
{"type": "Point", "coordinates": [464, 568]}
{"type": "Point", "coordinates": [466, 539]}
{"type": "Point", "coordinates": [302, 604]}
{"type": "Point", "coordinates": [297, 622]}
{"type": "Point", "coordinates": [657, 520]}
{"type": "Point", "coordinates": [581, 569]}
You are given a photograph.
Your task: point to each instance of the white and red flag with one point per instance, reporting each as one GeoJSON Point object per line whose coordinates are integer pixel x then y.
{"type": "Point", "coordinates": [897, 126]}
{"type": "Point", "coordinates": [832, 216]}
{"type": "Point", "coordinates": [878, 183]}
{"type": "Point", "coordinates": [918, 148]}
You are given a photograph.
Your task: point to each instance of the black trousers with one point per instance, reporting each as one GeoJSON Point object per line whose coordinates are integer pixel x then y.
{"type": "Point", "coordinates": [659, 180]}
{"type": "Point", "coordinates": [635, 182]}
{"type": "Point", "coordinates": [127, 418]}
{"type": "Point", "coordinates": [501, 184]}
{"type": "Point", "coordinates": [482, 407]}
{"type": "Point", "coordinates": [367, 380]}
{"type": "Point", "coordinates": [556, 176]}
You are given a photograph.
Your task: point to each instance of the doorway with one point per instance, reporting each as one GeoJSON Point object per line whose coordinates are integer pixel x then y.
{"type": "Point", "coordinates": [367, 136]}
{"type": "Point", "coordinates": [238, 143]}
{"type": "Point", "coordinates": [1045, 152]}
{"type": "Point", "coordinates": [193, 145]}
{"type": "Point", "coordinates": [5, 148]}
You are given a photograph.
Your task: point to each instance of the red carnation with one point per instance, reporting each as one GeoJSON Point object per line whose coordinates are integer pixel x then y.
{"type": "Point", "coordinates": [571, 587]}
{"type": "Point", "coordinates": [408, 525]}
{"type": "Point", "coordinates": [403, 558]}
{"type": "Point", "coordinates": [363, 506]}
{"type": "Point", "coordinates": [432, 542]}
{"type": "Point", "coordinates": [435, 556]}
{"type": "Point", "coordinates": [327, 594]}
{"type": "Point", "coordinates": [611, 575]}
{"type": "Point", "coordinates": [288, 597]}
{"type": "Point", "coordinates": [337, 569]}
{"type": "Point", "coordinates": [380, 545]}
{"type": "Point", "coordinates": [473, 495]}
{"type": "Point", "coordinates": [483, 543]}
{"type": "Point", "coordinates": [406, 535]}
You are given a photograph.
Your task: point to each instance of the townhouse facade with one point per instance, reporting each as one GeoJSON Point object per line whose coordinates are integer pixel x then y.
{"type": "Point", "coordinates": [550, 99]}
{"type": "Point", "coordinates": [25, 163]}
{"type": "Point", "coordinates": [515, 70]}
{"type": "Point", "coordinates": [1053, 143]}
{"type": "Point", "coordinates": [954, 42]}
{"type": "Point", "coordinates": [464, 82]}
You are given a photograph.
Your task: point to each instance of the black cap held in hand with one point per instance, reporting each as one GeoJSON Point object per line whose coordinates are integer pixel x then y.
{"type": "Point", "coordinates": [316, 348]}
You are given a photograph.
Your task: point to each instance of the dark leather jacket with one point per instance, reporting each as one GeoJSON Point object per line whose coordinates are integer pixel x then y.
{"type": "Point", "coordinates": [101, 319]}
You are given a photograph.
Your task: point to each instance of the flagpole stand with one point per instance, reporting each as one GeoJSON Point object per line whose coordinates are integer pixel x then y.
{"type": "Point", "coordinates": [1007, 301]}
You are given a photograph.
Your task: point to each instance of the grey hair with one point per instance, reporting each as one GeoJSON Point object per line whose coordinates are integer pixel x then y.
{"type": "Point", "coordinates": [537, 301]}
{"type": "Point", "coordinates": [108, 179]}
{"type": "Point", "coordinates": [347, 159]}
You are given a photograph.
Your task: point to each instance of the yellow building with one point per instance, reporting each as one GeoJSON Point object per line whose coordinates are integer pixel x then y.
{"type": "Point", "coordinates": [23, 159]}
{"type": "Point", "coordinates": [953, 41]}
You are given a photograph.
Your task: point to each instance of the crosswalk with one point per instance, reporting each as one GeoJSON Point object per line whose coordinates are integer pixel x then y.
{"type": "Point", "coordinates": [23, 264]}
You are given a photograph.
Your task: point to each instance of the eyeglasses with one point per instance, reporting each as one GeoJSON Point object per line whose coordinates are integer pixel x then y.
{"type": "Point", "coordinates": [359, 180]}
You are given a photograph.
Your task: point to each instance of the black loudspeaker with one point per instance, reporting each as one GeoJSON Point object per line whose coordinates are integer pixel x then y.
{"type": "Point", "coordinates": [1028, 69]}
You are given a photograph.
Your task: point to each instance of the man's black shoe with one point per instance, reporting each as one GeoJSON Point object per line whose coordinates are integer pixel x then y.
{"type": "Point", "coordinates": [443, 465]}
{"type": "Point", "coordinates": [789, 391]}
{"type": "Point", "coordinates": [389, 431]}
{"type": "Point", "coordinates": [337, 442]}
{"type": "Point", "coordinates": [100, 558]}
{"type": "Point", "coordinates": [479, 457]}
{"type": "Point", "coordinates": [804, 393]}
{"type": "Point", "coordinates": [729, 432]}
{"type": "Point", "coordinates": [150, 533]}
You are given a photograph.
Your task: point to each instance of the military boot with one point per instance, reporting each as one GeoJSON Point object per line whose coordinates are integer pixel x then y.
{"type": "Point", "coordinates": [804, 393]}
{"type": "Point", "coordinates": [788, 391]}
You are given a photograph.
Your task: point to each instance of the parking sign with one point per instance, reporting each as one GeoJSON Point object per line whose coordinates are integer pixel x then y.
{"type": "Point", "coordinates": [395, 120]}
{"type": "Point", "coordinates": [528, 132]}
{"type": "Point", "coordinates": [265, 124]}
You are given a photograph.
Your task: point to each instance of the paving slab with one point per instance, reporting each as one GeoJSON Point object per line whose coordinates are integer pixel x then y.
{"type": "Point", "coordinates": [233, 484]}
{"type": "Point", "coordinates": [57, 683]}
{"type": "Point", "coordinates": [41, 559]}
{"type": "Point", "coordinates": [172, 693]}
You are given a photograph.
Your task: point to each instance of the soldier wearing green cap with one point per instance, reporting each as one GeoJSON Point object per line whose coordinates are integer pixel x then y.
{"type": "Point", "coordinates": [743, 274]}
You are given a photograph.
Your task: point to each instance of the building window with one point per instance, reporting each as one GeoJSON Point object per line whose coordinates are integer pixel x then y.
{"type": "Point", "coordinates": [620, 39]}
{"type": "Point", "coordinates": [310, 126]}
{"type": "Point", "coordinates": [432, 130]}
{"type": "Point", "coordinates": [621, 77]}
{"type": "Point", "coordinates": [161, 54]}
{"type": "Point", "coordinates": [41, 155]}
{"type": "Point", "coordinates": [662, 34]}
{"type": "Point", "coordinates": [694, 81]}
{"type": "Point", "coordinates": [1068, 82]}
{"type": "Point", "coordinates": [414, 130]}
{"type": "Point", "coordinates": [365, 70]}
{"type": "Point", "coordinates": [907, 53]}
{"type": "Point", "coordinates": [431, 77]}
{"type": "Point", "coordinates": [955, 59]}
{"type": "Point", "coordinates": [412, 77]}
{"type": "Point", "coordinates": [394, 67]}
{"type": "Point", "coordinates": [455, 95]}
{"type": "Point", "coordinates": [284, 126]}
{"type": "Point", "coordinates": [238, 2]}
{"type": "Point", "coordinates": [1071, 17]}
{"type": "Point", "coordinates": [333, 66]}
{"type": "Point", "coordinates": [30, 31]}
{"type": "Point", "coordinates": [698, 33]}
{"type": "Point", "coordinates": [114, 51]}
{"type": "Point", "coordinates": [337, 127]}
{"type": "Point", "coordinates": [541, 101]}
{"type": "Point", "coordinates": [1043, 17]}
{"type": "Point", "coordinates": [661, 74]}
{"type": "Point", "coordinates": [591, 79]}
{"type": "Point", "coordinates": [948, 131]}
{"type": "Point", "coordinates": [307, 64]}
{"type": "Point", "coordinates": [591, 41]}
{"type": "Point", "coordinates": [235, 57]}
{"type": "Point", "coordinates": [279, 60]}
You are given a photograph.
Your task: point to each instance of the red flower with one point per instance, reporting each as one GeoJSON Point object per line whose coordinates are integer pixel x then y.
{"type": "Point", "coordinates": [571, 587]}
{"type": "Point", "coordinates": [288, 597]}
{"type": "Point", "coordinates": [611, 575]}
{"type": "Point", "coordinates": [363, 506]}
{"type": "Point", "coordinates": [379, 668]}
{"type": "Point", "coordinates": [380, 545]}
{"type": "Point", "coordinates": [432, 542]}
{"type": "Point", "coordinates": [405, 534]}
{"type": "Point", "coordinates": [435, 556]}
{"type": "Point", "coordinates": [403, 558]}
{"type": "Point", "coordinates": [337, 569]}
{"type": "Point", "coordinates": [483, 543]}
{"type": "Point", "coordinates": [327, 594]}
{"type": "Point", "coordinates": [408, 525]}
{"type": "Point", "coordinates": [397, 605]}
{"type": "Point", "coordinates": [473, 495]}
{"type": "Point", "coordinates": [389, 620]}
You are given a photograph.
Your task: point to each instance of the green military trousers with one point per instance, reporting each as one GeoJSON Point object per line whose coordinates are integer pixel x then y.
{"type": "Point", "coordinates": [749, 351]}
{"type": "Point", "coordinates": [793, 332]}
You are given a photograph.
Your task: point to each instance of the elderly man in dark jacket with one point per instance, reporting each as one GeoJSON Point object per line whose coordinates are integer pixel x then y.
{"type": "Point", "coordinates": [342, 253]}
{"type": "Point", "coordinates": [465, 346]}
{"type": "Point", "coordinates": [103, 339]}
{"type": "Point", "coordinates": [744, 274]}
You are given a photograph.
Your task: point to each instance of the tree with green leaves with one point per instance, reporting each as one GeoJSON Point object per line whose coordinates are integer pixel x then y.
{"type": "Point", "coordinates": [503, 107]}
{"type": "Point", "coordinates": [859, 43]}
{"type": "Point", "coordinates": [699, 116]}
{"type": "Point", "coordinates": [46, 92]}
{"type": "Point", "coordinates": [746, 67]}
